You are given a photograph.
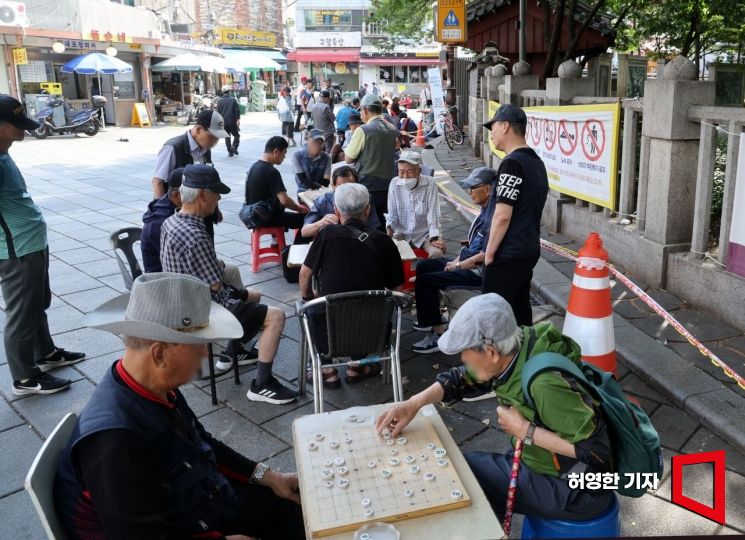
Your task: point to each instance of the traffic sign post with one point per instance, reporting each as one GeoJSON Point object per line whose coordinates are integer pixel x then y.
{"type": "Point", "coordinates": [451, 21]}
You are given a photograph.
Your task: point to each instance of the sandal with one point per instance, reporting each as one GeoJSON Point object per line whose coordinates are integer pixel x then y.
{"type": "Point", "coordinates": [356, 375]}
{"type": "Point", "coordinates": [328, 378]}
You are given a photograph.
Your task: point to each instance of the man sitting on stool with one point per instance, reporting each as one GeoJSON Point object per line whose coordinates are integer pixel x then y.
{"type": "Point", "coordinates": [413, 207]}
{"type": "Point", "coordinates": [139, 464]}
{"type": "Point", "coordinates": [573, 435]}
{"type": "Point", "coordinates": [434, 275]}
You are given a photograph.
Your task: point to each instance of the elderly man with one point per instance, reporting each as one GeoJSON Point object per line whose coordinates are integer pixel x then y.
{"type": "Point", "coordinates": [372, 150]}
{"type": "Point", "coordinates": [24, 271]}
{"type": "Point", "coordinates": [186, 249]}
{"type": "Point", "coordinates": [139, 464]}
{"type": "Point", "coordinates": [324, 119]}
{"type": "Point", "coordinates": [573, 435]}
{"type": "Point", "coordinates": [434, 275]}
{"type": "Point", "coordinates": [228, 108]}
{"type": "Point", "coordinates": [322, 212]}
{"type": "Point", "coordinates": [311, 165]}
{"type": "Point", "coordinates": [349, 256]}
{"type": "Point", "coordinates": [515, 209]}
{"type": "Point", "coordinates": [413, 207]}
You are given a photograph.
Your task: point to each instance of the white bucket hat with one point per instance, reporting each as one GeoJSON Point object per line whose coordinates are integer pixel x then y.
{"type": "Point", "coordinates": [167, 307]}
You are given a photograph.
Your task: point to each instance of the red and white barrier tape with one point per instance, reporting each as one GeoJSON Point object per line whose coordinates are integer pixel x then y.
{"type": "Point", "coordinates": [460, 204]}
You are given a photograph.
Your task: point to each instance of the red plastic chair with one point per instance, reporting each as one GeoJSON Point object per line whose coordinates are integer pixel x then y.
{"type": "Point", "coordinates": [410, 269]}
{"type": "Point", "coordinates": [271, 254]}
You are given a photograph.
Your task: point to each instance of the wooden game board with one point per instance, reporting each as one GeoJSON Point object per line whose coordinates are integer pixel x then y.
{"type": "Point", "coordinates": [331, 510]}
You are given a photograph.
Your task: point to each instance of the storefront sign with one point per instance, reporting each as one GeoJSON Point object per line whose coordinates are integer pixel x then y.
{"type": "Point", "coordinates": [427, 54]}
{"type": "Point", "coordinates": [579, 146]}
{"type": "Point", "coordinates": [234, 36]}
{"type": "Point", "coordinates": [328, 39]}
{"type": "Point", "coordinates": [34, 71]}
{"type": "Point", "coordinates": [451, 21]}
{"type": "Point", "coordinates": [19, 57]}
{"type": "Point", "coordinates": [78, 44]}
{"type": "Point", "coordinates": [108, 35]}
{"type": "Point", "coordinates": [135, 46]}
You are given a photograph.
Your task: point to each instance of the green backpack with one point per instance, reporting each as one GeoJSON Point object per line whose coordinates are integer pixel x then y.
{"type": "Point", "coordinates": [634, 442]}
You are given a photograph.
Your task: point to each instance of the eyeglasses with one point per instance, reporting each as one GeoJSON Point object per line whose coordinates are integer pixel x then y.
{"type": "Point", "coordinates": [470, 189]}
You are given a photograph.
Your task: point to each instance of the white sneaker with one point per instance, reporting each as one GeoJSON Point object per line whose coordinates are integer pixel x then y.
{"type": "Point", "coordinates": [428, 345]}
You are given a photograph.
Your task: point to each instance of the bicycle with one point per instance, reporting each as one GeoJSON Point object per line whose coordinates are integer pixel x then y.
{"type": "Point", "coordinates": [453, 134]}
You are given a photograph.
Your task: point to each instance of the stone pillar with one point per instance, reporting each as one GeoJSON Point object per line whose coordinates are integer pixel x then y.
{"type": "Point", "coordinates": [570, 83]}
{"type": "Point", "coordinates": [494, 77]}
{"type": "Point", "coordinates": [520, 80]}
{"type": "Point", "coordinates": [673, 160]}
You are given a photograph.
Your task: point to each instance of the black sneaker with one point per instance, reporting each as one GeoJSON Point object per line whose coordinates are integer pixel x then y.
{"type": "Point", "coordinates": [235, 151]}
{"type": "Point", "coordinates": [40, 384]}
{"type": "Point", "coordinates": [271, 392]}
{"type": "Point", "coordinates": [476, 394]}
{"type": "Point", "coordinates": [60, 358]}
{"type": "Point", "coordinates": [244, 357]}
{"type": "Point", "coordinates": [419, 328]}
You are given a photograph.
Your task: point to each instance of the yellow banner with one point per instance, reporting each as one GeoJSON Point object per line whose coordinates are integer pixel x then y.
{"type": "Point", "coordinates": [235, 36]}
{"type": "Point", "coordinates": [19, 57]}
{"type": "Point", "coordinates": [579, 147]}
{"type": "Point", "coordinates": [451, 21]}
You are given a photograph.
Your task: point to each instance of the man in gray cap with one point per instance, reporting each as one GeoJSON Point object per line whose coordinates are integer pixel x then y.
{"type": "Point", "coordinates": [515, 207]}
{"type": "Point", "coordinates": [572, 436]}
{"type": "Point", "coordinates": [139, 464]}
{"type": "Point", "coordinates": [311, 165]}
{"type": "Point", "coordinates": [434, 275]}
{"type": "Point", "coordinates": [187, 249]}
{"type": "Point", "coordinates": [324, 119]}
{"type": "Point", "coordinates": [372, 150]}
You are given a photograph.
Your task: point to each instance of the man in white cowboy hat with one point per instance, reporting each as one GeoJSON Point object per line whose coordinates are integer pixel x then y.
{"type": "Point", "coordinates": [139, 464]}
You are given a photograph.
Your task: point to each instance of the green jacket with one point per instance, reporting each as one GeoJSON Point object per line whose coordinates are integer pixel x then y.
{"type": "Point", "coordinates": [560, 405]}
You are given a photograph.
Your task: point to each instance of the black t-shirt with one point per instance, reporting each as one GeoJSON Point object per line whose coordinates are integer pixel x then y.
{"type": "Point", "coordinates": [263, 182]}
{"type": "Point", "coordinates": [344, 263]}
{"type": "Point", "coordinates": [523, 184]}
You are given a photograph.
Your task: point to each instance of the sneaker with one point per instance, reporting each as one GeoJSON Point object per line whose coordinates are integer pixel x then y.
{"type": "Point", "coordinates": [40, 384]}
{"type": "Point", "coordinates": [244, 357]}
{"type": "Point", "coordinates": [428, 345]}
{"type": "Point", "coordinates": [235, 151]}
{"type": "Point", "coordinates": [59, 359]}
{"type": "Point", "coordinates": [476, 394]}
{"type": "Point", "coordinates": [419, 328]}
{"type": "Point", "coordinates": [271, 392]}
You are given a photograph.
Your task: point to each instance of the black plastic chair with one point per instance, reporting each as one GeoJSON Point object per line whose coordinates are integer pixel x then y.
{"type": "Point", "coordinates": [123, 240]}
{"type": "Point", "coordinates": [359, 326]}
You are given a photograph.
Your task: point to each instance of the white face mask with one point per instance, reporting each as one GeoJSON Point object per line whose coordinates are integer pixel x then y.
{"type": "Point", "coordinates": [410, 183]}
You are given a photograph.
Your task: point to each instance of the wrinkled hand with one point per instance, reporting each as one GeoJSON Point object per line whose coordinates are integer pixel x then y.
{"type": "Point", "coordinates": [512, 421]}
{"type": "Point", "coordinates": [328, 219]}
{"type": "Point", "coordinates": [283, 485]}
{"type": "Point", "coordinates": [303, 209]}
{"type": "Point", "coordinates": [452, 265]}
{"type": "Point", "coordinates": [396, 418]}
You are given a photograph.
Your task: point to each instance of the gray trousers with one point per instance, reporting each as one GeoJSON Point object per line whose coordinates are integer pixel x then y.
{"type": "Point", "coordinates": [25, 285]}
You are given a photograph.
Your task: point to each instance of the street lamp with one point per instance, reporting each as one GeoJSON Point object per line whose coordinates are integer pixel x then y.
{"type": "Point", "coordinates": [111, 50]}
{"type": "Point", "coordinates": [58, 47]}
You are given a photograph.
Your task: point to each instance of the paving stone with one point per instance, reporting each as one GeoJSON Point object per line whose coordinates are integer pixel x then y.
{"type": "Point", "coordinates": [199, 400]}
{"type": "Point", "coordinates": [8, 417]}
{"type": "Point", "coordinates": [64, 319]}
{"type": "Point", "coordinates": [94, 368]}
{"type": "Point", "coordinates": [281, 426]}
{"type": "Point", "coordinates": [705, 441]}
{"type": "Point", "coordinates": [71, 283]}
{"type": "Point", "coordinates": [92, 342]}
{"type": "Point", "coordinates": [279, 289]}
{"type": "Point", "coordinates": [45, 412]}
{"type": "Point", "coordinates": [87, 301]}
{"type": "Point", "coordinates": [20, 521]}
{"type": "Point", "coordinates": [57, 245]}
{"type": "Point", "coordinates": [703, 326]}
{"type": "Point", "coordinates": [81, 255]}
{"type": "Point", "coordinates": [460, 427]}
{"type": "Point", "coordinates": [721, 410]}
{"type": "Point", "coordinates": [652, 516]}
{"type": "Point", "coordinates": [633, 384]}
{"type": "Point", "coordinates": [733, 359]}
{"type": "Point", "coordinates": [234, 396]}
{"type": "Point", "coordinates": [283, 462]}
{"type": "Point", "coordinates": [491, 440]}
{"type": "Point", "coordinates": [630, 309]}
{"type": "Point", "coordinates": [20, 446]}
{"type": "Point", "coordinates": [673, 426]}
{"type": "Point", "coordinates": [115, 282]}
{"type": "Point", "coordinates": [104, 267]}
{"type": "Point", "coordinates": [241, 435]}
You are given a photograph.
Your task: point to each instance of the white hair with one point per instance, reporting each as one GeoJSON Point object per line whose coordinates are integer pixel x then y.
{"type": "Point", "coordinates": [510, 344]}
{"type": "Point", "coordinates": [351, 199]}
{"type": "Point", "coordinates": [189, 194]}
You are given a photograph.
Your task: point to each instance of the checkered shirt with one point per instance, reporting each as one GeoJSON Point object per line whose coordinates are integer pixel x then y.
{"type": "Point", "coordinates": [414, 213]}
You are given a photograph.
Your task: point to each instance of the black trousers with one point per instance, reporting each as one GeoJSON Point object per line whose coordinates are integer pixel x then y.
{"type": "Point", "coordinates": [537, 495]}
{"type": "Point", "coordinates": [431, 278]}
{"type": "Point", "coordinates": [264, 515]}
{"type": "Point", "coordinates": [298, 116]}
{"type": "Point", "coordinates": [235, 131]}
{"type": "Point", "coordinates": [380, 200]}
{"type": "Point", "coordinates": [510, 279]}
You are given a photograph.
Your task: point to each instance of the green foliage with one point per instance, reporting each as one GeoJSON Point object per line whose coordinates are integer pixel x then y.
{"type": "Point", "coordinates": [407, 20]}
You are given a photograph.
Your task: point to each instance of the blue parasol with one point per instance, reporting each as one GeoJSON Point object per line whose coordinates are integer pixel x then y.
{"type": "Point", "coordinates": [95, 64]}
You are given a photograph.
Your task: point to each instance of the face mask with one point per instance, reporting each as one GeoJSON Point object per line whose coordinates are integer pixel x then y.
{"type": "Point", "coordinates": [410, 183]}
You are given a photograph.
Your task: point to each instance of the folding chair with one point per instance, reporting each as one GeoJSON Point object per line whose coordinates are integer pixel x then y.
{"type": "Point", "coordinates": [123, 240]}
{"type": "Point", "coordinates": [359, 326]}
{"type": "Point", "coordinates": [40, 478]}
{"type": "Point", "coordinates": [211, 367]}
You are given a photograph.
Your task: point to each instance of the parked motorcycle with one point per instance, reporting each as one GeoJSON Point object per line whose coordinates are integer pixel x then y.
{"type": "Point", "coordinates": [200, 102]}
{"type": "Point", "coordinates": [88, 120]}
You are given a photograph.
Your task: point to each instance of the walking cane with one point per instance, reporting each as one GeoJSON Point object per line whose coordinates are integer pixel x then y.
{"type": "Point", "coordinates": [512, 489]}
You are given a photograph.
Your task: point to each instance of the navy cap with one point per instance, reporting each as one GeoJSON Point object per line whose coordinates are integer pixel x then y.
{"type": "Point", "coordinates": [355, 119]}
{"type": "Point", "coordinates": [175, 178]}
{"type": "Point", "coordinates": [508, 113]}
{"type": "Point", "coordinates": [478, 177]}
{"type": "Point", "coordinates": [316, 134]}
{"type": "Point", "coordinates": [13, 112]}
{"type": "Point", "coordinates": [204, 177]}
{"type": "Point", "coordinates": [325, 93]}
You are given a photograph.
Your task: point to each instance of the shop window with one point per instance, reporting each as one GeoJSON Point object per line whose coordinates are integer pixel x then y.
{"type": "Point", "coordinates": [399, 74]}
{"type": "Point", "coordinates": [425, 76]}
{"type": "Point", "coordinates": [386, 74]}
{"type": "Point", "coordinates": [415, 74]}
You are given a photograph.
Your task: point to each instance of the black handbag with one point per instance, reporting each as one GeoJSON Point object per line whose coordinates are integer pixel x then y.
{"type": "Point", "coordinates": [258, 214]}
{"type": "Point", "coordinates": [291, 275]}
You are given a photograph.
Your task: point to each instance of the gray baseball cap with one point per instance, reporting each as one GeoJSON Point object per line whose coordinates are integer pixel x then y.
{"type": "Point", "coordinates": [370, 99]}
{"type": "Point", "coordinates": [316, 134]}
{"type": "Point", "coordinates": [478, 177]}
{"type": "Point", "coordinates": [483, 320]}
{"type": "Point", "coordinates": [411, 157]}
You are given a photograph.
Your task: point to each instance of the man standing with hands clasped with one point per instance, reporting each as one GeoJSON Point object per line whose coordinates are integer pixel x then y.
{"type": "Point", "coordinates": [515, 209]}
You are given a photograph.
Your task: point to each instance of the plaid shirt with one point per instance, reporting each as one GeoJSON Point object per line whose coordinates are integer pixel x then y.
{"type": "Point", "coordinates": [414, 213]}
{"type": "Point", "coordinates": [186, 248]}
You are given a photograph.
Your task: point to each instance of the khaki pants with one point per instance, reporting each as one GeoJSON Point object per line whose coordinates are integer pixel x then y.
{"type": "Point", "coordinates": [232, 276]}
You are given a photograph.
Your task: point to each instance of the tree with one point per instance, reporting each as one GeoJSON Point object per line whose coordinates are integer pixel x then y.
{"type": "Point", "coordinates": [405, 20]}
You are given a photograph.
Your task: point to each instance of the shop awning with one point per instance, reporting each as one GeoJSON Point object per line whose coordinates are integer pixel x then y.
{"type": "Point", "coordinates": [254, 60]}
{"type": "Point", "coordinates": [324, 55]}
{"type": "Point", "coordinates": [419, 61]}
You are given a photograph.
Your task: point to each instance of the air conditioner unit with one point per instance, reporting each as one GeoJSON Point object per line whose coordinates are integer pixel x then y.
{"type": "Point", "coordinates": [13, 13]}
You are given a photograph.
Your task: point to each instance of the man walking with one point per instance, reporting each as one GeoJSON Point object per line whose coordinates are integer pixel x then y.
{"type": "Point", "coordinates": [323, 119]}
{"type": "Point", "coordinates": [24, 271]}
{"type": "Point", "coordinates": [228, 108]}
{"type": "Point", "coordinates": [515, 208]}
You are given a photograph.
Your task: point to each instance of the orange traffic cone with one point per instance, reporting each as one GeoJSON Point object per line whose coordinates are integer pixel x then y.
{"type": "Point", "coordinates": [420, 142]}
{"type": "Point", "coordinates": [589, 317]}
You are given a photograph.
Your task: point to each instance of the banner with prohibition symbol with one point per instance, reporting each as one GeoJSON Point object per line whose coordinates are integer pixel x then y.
{"type": "Point", "coordinates": [578, 145]}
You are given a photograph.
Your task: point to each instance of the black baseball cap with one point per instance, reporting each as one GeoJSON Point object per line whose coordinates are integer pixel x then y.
{"type": "Point", "coordinates": [204, 177]}
{"type": "Point", "coordinates": [355, 119]}
{"type": "Point", "coordinates": [174, 179]}
{"type": "Point", "coordinates": [508, 113]}
{"type": "Point", "coordinates": [325, 93]}
{"type": "Point", "coordinates": [213, 122]}
{"type": "Point", "coordinates": [478, 177]}
{"type": "Point", "coordinates": [13, 112]}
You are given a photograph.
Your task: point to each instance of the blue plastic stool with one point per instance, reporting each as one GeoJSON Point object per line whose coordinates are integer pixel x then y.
{"type": "Point", "coordinates": [607, 525]}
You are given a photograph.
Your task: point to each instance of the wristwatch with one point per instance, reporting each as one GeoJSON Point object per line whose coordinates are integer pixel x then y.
{"type": "Point", "coordinates": [259, 473]}
{"type": "Point", "coordinates": [528, 440]}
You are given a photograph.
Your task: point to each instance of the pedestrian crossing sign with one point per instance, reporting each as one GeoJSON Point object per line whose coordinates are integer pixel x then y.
{"type": "Point", "coordinates": [451, 21]}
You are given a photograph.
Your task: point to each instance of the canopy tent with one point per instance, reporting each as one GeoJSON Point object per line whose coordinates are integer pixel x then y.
{"type": "Point", "coordinates": [192, 62]}
{"type": "Point", "coordinates": [244, 60]}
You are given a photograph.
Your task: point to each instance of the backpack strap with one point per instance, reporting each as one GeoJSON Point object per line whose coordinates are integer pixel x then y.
{"type": "Point", "coordinates": [549, 361]}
